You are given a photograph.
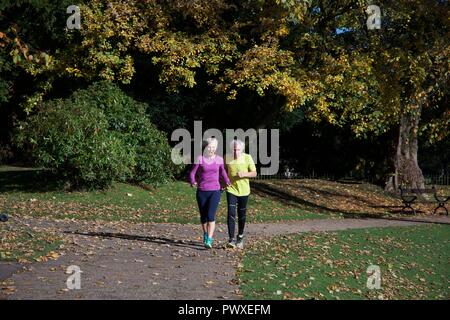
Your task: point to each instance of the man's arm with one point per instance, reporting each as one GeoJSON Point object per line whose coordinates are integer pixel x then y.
{"type": "Point", "coordinates": [251, 169]}
{"type": "Point", "coordinates": [250, 174]}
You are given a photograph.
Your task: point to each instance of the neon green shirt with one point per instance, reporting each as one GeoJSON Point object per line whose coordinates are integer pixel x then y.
{"type": "Point", "coordinates": [239, 186]}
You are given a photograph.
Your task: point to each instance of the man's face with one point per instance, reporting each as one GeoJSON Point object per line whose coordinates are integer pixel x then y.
{"type": "Point", "coordinates": [237, 150]}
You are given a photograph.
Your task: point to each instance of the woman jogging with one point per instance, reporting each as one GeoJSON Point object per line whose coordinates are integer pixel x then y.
{"type": "Point", "coordinates": [206, 174]}
{"type": "Point", "coordinates": [240, 167]}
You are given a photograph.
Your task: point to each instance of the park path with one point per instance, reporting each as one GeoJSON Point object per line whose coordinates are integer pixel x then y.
{"type": "Point", "coordinates": [149, 260]}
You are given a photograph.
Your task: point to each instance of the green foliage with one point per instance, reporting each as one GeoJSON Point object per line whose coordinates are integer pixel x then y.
{"type": "Point", "coordinates": [247, 51]}
{"type": "Point", "coordinates": [98, 135]}
{"type": "Point", "coordinates": [170, 112]}
{"type": "Point", "coordinates": [128, 118]}
{"type": "Point", "coordinates": [75, 142]}
{"type": "Point", "coordinates": [358, 78]}
{"type": "Point", "coordinates": [31, 32]}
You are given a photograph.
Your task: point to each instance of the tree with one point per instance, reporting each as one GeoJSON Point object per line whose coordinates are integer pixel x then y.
{"type": "Point", "coordinates": [413, 59]}
{"type": "Point", "coordinates": [374, 81]}
{"type": "Point", "coordinates": [274, 55]}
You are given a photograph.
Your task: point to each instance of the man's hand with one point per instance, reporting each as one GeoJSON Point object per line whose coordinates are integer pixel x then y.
{"type": "Point", "coordinates": [242, 174]}
{"type": "Point", "coordinates": [193, 185]}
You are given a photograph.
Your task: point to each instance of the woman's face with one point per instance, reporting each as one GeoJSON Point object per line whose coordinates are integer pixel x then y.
{"type": "Point", "coordinates": [211, 149]}
{"type": "Point", "coordinates": [237, 150]}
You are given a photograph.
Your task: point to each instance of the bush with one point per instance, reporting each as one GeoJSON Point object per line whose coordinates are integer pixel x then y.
{"type": "Point", "coordinates": [76, 143]}
{"type": "Point", "coordinates": [128, 117]}
{"type": "Point", "coordinates": [96, 136]}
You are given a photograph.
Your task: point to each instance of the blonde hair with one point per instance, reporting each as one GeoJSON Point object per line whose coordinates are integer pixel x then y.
{"type": "Point", "coordinates": [211, 141]}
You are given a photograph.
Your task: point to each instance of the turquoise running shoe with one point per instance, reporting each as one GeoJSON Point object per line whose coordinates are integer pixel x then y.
{"type": "Point", "coordinates": [208, 243]}
{"type": "Point", "coordinates": [205, 236]}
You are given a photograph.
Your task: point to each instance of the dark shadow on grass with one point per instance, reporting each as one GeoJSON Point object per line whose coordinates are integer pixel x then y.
{"type": "Point", "coordinates": [157, 240]}
{"type": "Point", "coordinates": [285, 197]}
{"type": "Point", "coordinates": [397, 209]}
{"type": "Point", "coordinates": [264, 190]}
{"type": "Point", "coordinates": [333, 193]}
{"type": "Point", "coordinates": [28, 181]}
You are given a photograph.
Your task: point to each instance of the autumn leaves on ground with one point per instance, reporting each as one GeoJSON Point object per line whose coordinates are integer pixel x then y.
{"type": "Point", "coordinates": [413, 264]}
{"type": "Point", "coordinates": [329, 265]}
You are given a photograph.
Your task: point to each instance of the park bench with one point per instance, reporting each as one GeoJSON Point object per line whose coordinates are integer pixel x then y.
{"type": "Point", "coordinates": [409, 196]}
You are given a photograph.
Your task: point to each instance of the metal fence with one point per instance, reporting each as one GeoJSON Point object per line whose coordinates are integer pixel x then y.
{"type": "Point", "coordinates": [429, 179]}
{"type": "Point", "coordinates": [437, 179]}
{"type": "Point", "coordinates": [294, 175]}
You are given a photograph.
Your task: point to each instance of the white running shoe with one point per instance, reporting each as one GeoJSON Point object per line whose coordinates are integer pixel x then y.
{"type": "Point", "coordinates": [240, 242]}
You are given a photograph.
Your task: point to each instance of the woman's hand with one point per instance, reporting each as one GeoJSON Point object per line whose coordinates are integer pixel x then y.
{"type": "Point", "coordinates": [193, 185]}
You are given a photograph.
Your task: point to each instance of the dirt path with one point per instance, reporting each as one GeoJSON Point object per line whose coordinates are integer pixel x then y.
{"type": "Point", "coordinates": [149, 261]}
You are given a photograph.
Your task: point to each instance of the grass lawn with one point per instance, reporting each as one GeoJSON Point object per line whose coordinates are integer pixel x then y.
{"type": "Point", "coordinates": [347, 199]}
{"type": "Point", "coordinates": [414, 264]}
{"type": "Point", "coordinates": [23, 244]}
{"type": "Point", "coordinates": [32, 192]}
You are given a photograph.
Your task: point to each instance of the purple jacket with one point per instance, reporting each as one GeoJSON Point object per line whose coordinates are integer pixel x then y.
{"type": "Point", "coordinates": [206, 172]}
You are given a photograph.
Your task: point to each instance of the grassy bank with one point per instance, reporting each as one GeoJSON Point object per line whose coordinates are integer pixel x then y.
{"type": "Point", "coordinates": [413, 264]}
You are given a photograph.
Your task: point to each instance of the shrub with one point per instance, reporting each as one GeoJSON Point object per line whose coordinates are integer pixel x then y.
{"type": "Point", "coordinates": [96, 136]}
{"type": "Point", "coordinates": [76, 143]}
{"type": "Point", "coordinates": [128, 117]}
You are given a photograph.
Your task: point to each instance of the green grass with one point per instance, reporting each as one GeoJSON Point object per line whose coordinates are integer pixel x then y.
{"type": "Point", "coordinates": [35, 193]}
{"type": "Point", "coordinates": [414, 264]}
{"type": "Point", "coordinates": [20, 243]}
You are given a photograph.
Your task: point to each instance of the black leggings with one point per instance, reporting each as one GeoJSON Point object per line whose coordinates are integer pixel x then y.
{"type": "Point", "coordinates": [241, 203]}
{"type": "Point", "coordinates": [208, 201]}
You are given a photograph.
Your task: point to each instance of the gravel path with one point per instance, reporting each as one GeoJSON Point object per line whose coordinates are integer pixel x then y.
{"type": "Point", "coordinates": [148, 260]}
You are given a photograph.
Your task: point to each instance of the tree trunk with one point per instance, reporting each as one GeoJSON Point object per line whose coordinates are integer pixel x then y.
{"type": "Point", "coordinates": [407, 170]}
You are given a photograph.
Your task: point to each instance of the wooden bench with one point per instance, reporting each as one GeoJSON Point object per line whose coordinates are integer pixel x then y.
{"type": "Point", "coordinates": [409, 196]}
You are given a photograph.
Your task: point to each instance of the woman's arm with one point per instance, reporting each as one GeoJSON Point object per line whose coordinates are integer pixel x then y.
{"type": "Point", "coordinates": [223, 174]}
{"type": "Point", "coordinates": [192, 178]}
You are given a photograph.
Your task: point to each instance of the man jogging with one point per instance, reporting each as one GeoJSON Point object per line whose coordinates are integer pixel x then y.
{"type": "Point", "coordinates": [240, 166]}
